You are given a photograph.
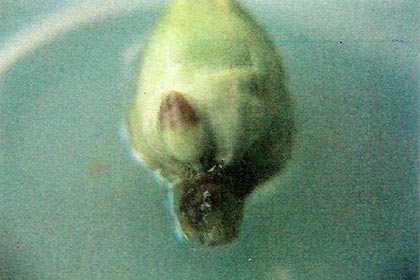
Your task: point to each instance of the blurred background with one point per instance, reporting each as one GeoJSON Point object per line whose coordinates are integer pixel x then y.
{"type": "Point", "coordinates": [73, 205]}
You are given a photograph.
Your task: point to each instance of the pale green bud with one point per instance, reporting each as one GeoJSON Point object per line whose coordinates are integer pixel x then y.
{"type": "Point", "coordinates": [212, 114]}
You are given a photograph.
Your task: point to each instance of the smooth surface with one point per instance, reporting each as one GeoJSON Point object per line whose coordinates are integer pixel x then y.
{"type": "Point", "coordinates": [74, 206]}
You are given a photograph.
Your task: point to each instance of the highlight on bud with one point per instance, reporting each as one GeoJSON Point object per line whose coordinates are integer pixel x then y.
{"type": "Point", "coordinates": [217, 119]}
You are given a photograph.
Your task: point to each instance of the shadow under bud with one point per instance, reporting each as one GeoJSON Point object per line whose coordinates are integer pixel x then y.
{"type": "Point", "coordinates": [209, 213]}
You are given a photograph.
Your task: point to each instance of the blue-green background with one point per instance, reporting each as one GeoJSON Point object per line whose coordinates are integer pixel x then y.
{"type": "Point", "coordinates": [345, 208]}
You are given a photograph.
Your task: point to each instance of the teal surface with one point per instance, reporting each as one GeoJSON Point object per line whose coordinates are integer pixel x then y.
{"type": "Point", "coordinates": [74, 205]}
